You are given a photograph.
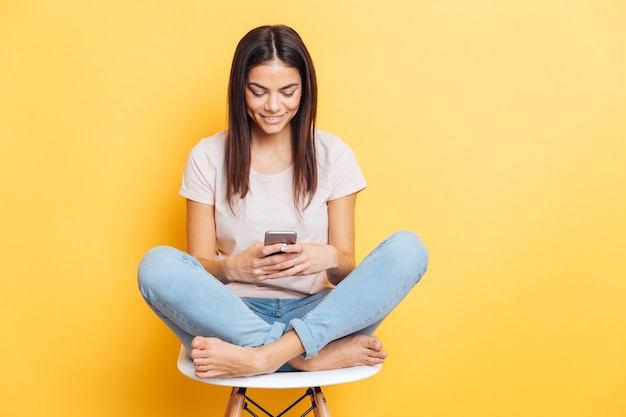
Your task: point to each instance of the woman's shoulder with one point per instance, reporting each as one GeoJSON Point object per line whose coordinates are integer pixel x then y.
{"type": "Point", "coordinates": [211, 148]}
{"type": "Point", "coordinates": [326, 138]}
{"type": "Point", "coordinates": [330, 146]}
{"type": "Point", "coordinates": [329, 141]}
{"type": "Point", "coordinates": [214, 142]}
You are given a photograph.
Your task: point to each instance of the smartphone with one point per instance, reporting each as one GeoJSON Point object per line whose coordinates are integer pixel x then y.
{"type": "Point", "coordinates": [288, 238]}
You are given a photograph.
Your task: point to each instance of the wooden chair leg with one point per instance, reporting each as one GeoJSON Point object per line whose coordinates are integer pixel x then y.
{"type": "Point", "coordinates": [236, 402]}
{"type": "Point", "coordinates": [319, 400]}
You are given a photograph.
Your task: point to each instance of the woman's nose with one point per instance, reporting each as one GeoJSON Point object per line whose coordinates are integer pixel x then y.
{"type": "Point", "coordinates": [272, 103]}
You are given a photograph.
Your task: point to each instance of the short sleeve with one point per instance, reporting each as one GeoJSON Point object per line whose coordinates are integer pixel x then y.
{"type": "Point", "coordinates": [348, 177]}
{"type": "Point", "coordinates": [201, 172]}
{"type": "Point", "coordinates": [345, 175]}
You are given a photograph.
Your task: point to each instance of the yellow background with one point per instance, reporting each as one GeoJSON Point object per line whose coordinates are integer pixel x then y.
{"type": "Point", "coordinates": [494, 129]}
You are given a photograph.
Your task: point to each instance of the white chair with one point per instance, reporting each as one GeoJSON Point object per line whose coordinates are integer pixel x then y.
{"type": "Point", "coordinates": [311, 381]}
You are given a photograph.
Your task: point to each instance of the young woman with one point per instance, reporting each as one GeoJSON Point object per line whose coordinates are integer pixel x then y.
{"type": "Point", "coordinates": [237, 310]}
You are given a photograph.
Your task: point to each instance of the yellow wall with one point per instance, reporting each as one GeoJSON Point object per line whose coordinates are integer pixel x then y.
{"type": "Point", "coordinates": [495, 129]}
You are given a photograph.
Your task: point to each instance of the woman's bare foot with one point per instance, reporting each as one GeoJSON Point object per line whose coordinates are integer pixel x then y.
{"type": "Point", "coordinates": [214, 358]}
{"type": "Point", "coordinates": [352, 350]}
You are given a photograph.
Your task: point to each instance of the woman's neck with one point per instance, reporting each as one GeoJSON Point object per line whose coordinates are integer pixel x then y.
{"type": "Point", "coordinates": [271, 154]}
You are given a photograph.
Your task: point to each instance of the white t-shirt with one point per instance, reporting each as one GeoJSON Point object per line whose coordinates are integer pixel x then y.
{"type": "Point", "coordinates": [269, 205]}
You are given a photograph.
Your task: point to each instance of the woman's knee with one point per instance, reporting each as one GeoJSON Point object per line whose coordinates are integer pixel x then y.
{"type": "Point", "coordinates": [154, 263]}
{"type": "Point", "coordinates": [409, 248]}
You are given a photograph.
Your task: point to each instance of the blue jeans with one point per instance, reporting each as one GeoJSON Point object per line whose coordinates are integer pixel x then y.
{"type": "Point", "coordinates": [194, 303]}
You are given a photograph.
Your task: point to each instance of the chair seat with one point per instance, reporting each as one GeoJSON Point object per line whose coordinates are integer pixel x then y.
{"type": "Point", "coordinates": [282, 380]}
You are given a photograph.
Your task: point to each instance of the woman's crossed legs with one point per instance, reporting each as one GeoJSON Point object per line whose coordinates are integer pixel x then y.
{"type": "Point", "coordinates": [336, 333]}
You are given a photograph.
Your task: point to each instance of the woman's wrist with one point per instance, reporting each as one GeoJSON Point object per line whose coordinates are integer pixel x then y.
{"type": "Point", "coordinates": [341, 266]}
{"type": "Point", "coordinates": [334, 257]}
{"type": "Point", "coordinates": [218, 269]}
{"type": "Point", "coordinates": [226, 265]}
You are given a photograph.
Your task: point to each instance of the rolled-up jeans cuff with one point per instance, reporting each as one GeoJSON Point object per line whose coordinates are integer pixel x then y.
{"type": "Point", "coordinates": [306, 338]}
{"type": "Point", "coordinates": [276, 331]}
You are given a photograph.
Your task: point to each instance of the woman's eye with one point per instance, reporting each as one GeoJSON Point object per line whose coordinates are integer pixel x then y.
{"type": "Point", "coordinates": [256, 94]}
{"type": "Point", "coordinates": [290, 94]}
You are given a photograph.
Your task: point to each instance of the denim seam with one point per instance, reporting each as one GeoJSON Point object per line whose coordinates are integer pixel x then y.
{"type": "Point", "coordinates": [175, 317]}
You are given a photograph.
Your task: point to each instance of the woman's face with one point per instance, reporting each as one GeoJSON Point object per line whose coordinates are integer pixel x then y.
{"type": "Point", "coordinates": [273, 93]}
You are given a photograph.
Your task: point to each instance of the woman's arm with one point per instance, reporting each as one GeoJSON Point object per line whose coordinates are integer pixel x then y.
{"type": "Point", "coordinates": [341, 237]}
{"type": "Point", "coordinates": [201, 238]}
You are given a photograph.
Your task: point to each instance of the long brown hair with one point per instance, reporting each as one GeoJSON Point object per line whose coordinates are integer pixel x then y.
{"type": "Point", "coordinates": [259, 46]}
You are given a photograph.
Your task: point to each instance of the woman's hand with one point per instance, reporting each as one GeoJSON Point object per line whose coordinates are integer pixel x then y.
{"type": "Point", "coordinates": [298, 259]}
{"type": "Point", "coordinates": [248, 265]}
{"type": "Point", "coordinates": [259, 262]}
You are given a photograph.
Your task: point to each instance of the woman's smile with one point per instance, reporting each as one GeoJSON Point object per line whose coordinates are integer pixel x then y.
{"type": "Point", "coordinates": [272, 119]}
